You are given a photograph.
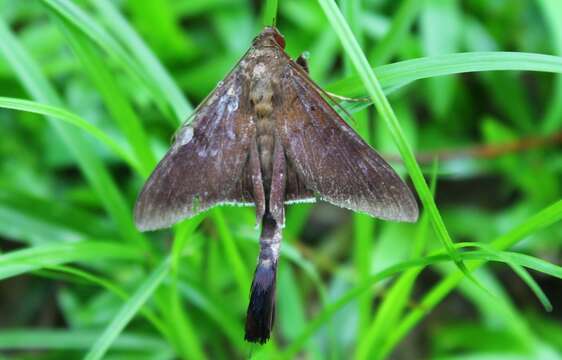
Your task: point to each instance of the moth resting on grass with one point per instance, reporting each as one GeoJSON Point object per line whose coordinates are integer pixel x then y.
{"type": "Point", "coordinates": [267, 137]}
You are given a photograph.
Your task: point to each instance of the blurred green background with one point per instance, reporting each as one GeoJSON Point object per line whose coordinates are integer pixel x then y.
{"type": "Point", "coordinates": [91, 92]}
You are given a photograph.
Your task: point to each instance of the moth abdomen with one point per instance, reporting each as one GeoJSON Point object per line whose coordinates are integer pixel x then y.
{"type": "Point", "coordinates": [261, 94]}
{"type": "Point", "coordinates": [263, 109]}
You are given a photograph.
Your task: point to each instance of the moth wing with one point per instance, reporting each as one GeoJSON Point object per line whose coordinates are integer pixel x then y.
{"type": "Point", "coordinates": [206, 164]}
{"type": "Point", "coordinates": [332, 159]}
{"type": "Point", "coordinates": [295, 188]}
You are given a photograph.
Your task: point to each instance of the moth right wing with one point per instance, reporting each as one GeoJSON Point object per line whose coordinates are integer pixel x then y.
{"type": "Point", "coordinates": [206, 164]}
{"type": "Point", "coordinates": [332, 160]}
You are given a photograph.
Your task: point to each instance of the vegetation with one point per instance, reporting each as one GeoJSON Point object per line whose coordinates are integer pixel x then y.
{"type": "Point", "coordinates": [467, 103]}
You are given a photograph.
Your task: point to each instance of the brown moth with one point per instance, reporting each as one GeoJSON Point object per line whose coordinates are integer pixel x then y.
{"type": "Point", "coordinates": [267, 137]}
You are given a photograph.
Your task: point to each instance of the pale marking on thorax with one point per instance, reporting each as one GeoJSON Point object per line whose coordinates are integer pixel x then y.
{"type": "Point", "coordinates": [259, 70]}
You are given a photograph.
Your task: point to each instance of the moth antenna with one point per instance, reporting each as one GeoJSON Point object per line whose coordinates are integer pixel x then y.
{"type": "Point", "coordinates": [261, 310]}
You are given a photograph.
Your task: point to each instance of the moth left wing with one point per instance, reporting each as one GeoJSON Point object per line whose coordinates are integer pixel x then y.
{"type": "Point", "coordinates": [206, 164]}
{"type": "Point", "coordinates": [331, 159]}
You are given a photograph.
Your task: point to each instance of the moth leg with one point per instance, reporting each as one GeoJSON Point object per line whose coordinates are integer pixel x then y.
{"type": "Point", "coordinates": [278, 184]}
{"type": "Point", "coordinates": [257, 183]}
{"type": "Point", "coordinates": [302, 60]}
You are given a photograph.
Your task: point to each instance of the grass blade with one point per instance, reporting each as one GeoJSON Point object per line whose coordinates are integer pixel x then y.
{"type": "Point", "coordinates": [396, 75]}
{"type": "Point", "coordinates": [23, 261]}
{"type": "Point", "coordinates": [184, 334]}
{"type": "Point", "coordinates": [520, 271]}
{"type": "Point", "coordinates": [551, 10]}
{"type": "Point", "coordinates": [148, 61]}
{"type": "Point", "coordinates": [546, 217]}
{"type": "Point", "coordinates": [113, 288]}
{"type": "Point", "coordinates": [217, 311]}
{"type": "Point", "coordinates": [401, 23]}
{"type": "Point", "coordinates": [39, 220]}
{"type": "Point", "coordinates": [128, 311]}
{"type": "Point", "coordinates": [54, 112]}
{"type": "Point", "coordinates": [233, 255]}
{"type": "Point", "coordinates": [115, 100]}
{"type": "Point", "coordinates": [26, 339]}
{"type": "Point", "coordinates": [93, 169]}
{"type": "Point", "coordinates": [186, 339]}
{"type": "Point", "coordinates": [394, 302]}
{"type": "Point", "coordinates": [71, 13]}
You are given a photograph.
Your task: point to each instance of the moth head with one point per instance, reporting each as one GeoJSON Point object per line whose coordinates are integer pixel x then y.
{"type": "Point", "coordinates": [270, 36]}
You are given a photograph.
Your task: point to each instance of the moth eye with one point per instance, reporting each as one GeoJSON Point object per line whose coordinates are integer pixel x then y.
{"type": "Point", "coordinates": [279, 40]}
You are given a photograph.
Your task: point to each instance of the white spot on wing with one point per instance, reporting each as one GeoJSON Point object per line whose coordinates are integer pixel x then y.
{"type": "Point", "coordinates": [185, 136]}
{"type": "Point", "coordinates": [233, 105]}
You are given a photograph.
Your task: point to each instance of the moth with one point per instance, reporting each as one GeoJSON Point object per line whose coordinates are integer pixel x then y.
{"type": "Point", "coordinates": [267, 137]}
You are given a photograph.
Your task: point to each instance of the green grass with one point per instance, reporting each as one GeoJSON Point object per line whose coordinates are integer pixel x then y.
{"type": "Point", "coordinates": [127, 312]}
{"type": "Point", "coordinates": [71, 118]}
{"type": "Point", "coordinates": [113, 84]}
